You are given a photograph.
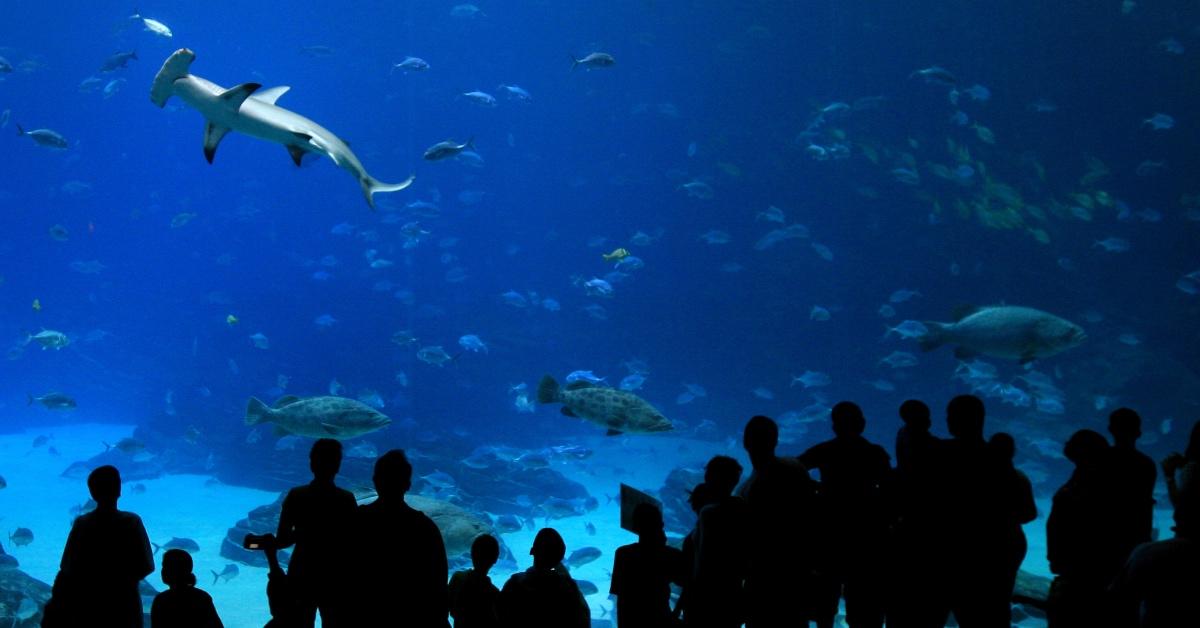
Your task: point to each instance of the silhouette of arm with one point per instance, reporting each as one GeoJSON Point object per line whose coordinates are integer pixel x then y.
{"type": "Point", "coordinates": [211, 618]}
{"type": "Point", "coordinates": [285, 534]}
{"type": "Point", "coordinates": [145, 562]}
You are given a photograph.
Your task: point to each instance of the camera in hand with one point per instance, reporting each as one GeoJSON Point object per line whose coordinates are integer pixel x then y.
{"type": "Point", "coordinates": [258, 541]}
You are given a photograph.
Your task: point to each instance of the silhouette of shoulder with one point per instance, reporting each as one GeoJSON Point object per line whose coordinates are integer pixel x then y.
{"type": "Point", "coordinates": [184, 607]}
{"type": "Point", "coordinates": [1163, 577]}
{"type": "Point", "coordinates": [542, 598]}
{"type": "Point", "coordinates": [112, 541]}
{"type": "Point", "coordinates": [473, 600]}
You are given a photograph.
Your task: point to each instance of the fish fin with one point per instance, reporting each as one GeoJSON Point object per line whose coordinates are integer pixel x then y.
{"type": "Point", "coordinates": [574, 61]}
{"type": "Point", "coordinates": [212, 136]}
{"type": "Point", "coordinates": [216, 576]}
{"type": "Point", "coordinates": [963, 353]}
{"type": "Point", "coordinates": [612, 432]}
{"type": "Point", "coordinates": [256, 412]}
{"type": "Point", "coordinates": [934, 338]}
{"type": "Point", "coordinates": [270, 95]}
{"type": "Point", "coordinates": [297, 154]}
{"type": "Point", "coordinates": [235, 96]}
{"type": "Point", "coordinates": [286, 400]}
{"type": "Point", "coordinates": [580, 384]}
{"type": "Point", "coordinates": [567, 412]}
{"type": "Point", "coordinates": [156, 546]}
{"type": "Point", "coordinates": [330, 429]}
{"type": "Point", "coordinates": [371, 186]}
{"type": "Point", "coordinates": [548, 391]}
{"type": "Point", "coordinates": [962, 311]}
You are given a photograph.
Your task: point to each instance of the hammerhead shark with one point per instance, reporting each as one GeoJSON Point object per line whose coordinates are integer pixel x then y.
{"type": "Point", "coordinates": [252, 111]}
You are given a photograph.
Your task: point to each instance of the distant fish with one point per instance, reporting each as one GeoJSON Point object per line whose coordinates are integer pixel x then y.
{"type": "Point", "coordinates": [53, 401]}
{"type": "Point", "coordinates": [181, 543]}
{"type": "Point", "coordinates": [118, 61]}
{"type": "Point", "coordinates": [483, 99]}
{"type": "Point", "coordinates": [49, 339]}
{"type": "Point", "coordinates": [593, 60]}
{"type": "Point", "coordinates": [936, 75]}
{"type": "Point", "coordinates": [443, 150]}
{"type": "Point", "coordinates": [318, 417]}
{"type": "Point", "coordinates": [619, 411]}
{"type": "Point", "coordinates": [317, 51]}
{"type": "Point", "coordinates": [435, 355]}
{"type": "Point", "coordinates": [127, 445]}
{"type": "Point", "coordinates": [44, 137]}
{"type": "Point", "coordinates": [582, 556]}
{"type": "Point", "coordinates": [21, 537]}
{"type": "Point", "coordinates": [513, 92]}
{"type": "Point", "coordinates": [1006, 331]}
{"type": "Point", "coordinates": [411, 64]}
{"type": "Point", "coordinates": [812, 379]}
{"type": "Point", "coordinates": [228, 573]}
{"type": "Point", "coordinates": [152, 25]}
{"type": "Point", "coordinates": [1160, 122]}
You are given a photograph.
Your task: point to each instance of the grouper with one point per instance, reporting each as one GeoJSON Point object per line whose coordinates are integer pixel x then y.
{"type": "Point", "coordinates": [1005, 331]}
{"type": "Point", "coordinates": [317, 417]}
{"type": "Point", "coordinates": [617, 410]}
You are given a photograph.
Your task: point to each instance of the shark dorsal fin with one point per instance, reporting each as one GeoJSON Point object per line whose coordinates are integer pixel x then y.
{"type": "Point", "coordinates": [272, 94]}
{"type": "Point", "coordinates": [212, 137]}
{"type": "Point", "coordinates": [235, 96]}
{"type": "Point", "coordinates": [286, 400]}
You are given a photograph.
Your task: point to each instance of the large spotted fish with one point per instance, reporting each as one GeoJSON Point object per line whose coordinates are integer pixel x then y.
{"type": "Point", "coordinates": [617, 410]}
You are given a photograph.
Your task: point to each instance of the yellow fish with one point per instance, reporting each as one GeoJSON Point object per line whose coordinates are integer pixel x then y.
{"type": "Point", "coordinates": [617, 254]}
{"type": "Point", "coordinates": [231, 320]}
{"type": "Point", "coordinates": [37, 305]}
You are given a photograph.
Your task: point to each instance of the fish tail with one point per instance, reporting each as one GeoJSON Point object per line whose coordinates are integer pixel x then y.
{"type": "Point", "coordinates": [28, 399]}
{"type": "Point", "coordinates": [156, 546]}
{"type": "Point", "coordinates": [20, 131]}
{"type": "Point", "coordinates": [371, 185]}
{"type": "Point", "coordinates": [216, 576]}
{"type": "Point", "coordinates": [574, 61]}
{"type": "Point", "coordinates": [548, 391]}
{"type": "Point", "coordinates": [936, 336]}
{"type": "Point", "coordinates": [256, 412]}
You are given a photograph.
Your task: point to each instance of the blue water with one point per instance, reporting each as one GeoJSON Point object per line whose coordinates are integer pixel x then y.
{"type": "Point", "coordinates": [596, 157]}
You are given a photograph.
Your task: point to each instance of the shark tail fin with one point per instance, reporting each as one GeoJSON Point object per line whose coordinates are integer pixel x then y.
{"type": "Point", "coordinates": [371, 185]}
{"type": "Point", "coordinates": [936, 336]}
{"type": "Point", "coordinates": [174, 68]}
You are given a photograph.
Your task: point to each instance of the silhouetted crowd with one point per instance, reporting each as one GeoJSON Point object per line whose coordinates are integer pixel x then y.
{"type": "Point", "coordinates": [937, 535]}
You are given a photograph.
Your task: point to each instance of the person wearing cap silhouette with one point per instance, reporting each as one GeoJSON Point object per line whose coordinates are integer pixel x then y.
{"type": "Point", "coordinates": [545, 595]}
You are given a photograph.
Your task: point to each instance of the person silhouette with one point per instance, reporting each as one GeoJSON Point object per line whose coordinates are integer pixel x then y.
{"type": "Point", "coordinates": [699, 497]}
{"type": "Point", "coordinates": [545, 595]}
{"type": "Point", "coordinates": [780, 498]}
{"type": "Point", "coordinates": [1079, 538]}
{"type": "Point", "coordinates": [1158, 584]}
{"type": "Point", "coordinates": [107, 554]}
{"type": "Point", "coordinates": [472, 594]}
{"type": "Point", "coordinates": [1019, 509]}
{"type": "Point", "coordinates": [721, 559]}
{"type": "Point", "coordinates": [1182, 472]}
{"type": "Point", "coordinates": [1133, 476]}
{"type": "Point", "coordinates": [917, 510]}
{"type": "Point", "coordinates": [403, 563]}
{"type": "Point", "coordinates": [643, 572]}
{"type": "Point", "coordinates": [855, 474]}
{"type": "Point", "coordinates": [973, 555]}
{"type": "Point", "coordinates": [182, 605]}
{"type": "Point", "coordinates": [316, 518]}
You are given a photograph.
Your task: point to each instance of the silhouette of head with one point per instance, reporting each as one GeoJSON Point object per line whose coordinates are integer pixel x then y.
{"type": "Point", "coordinates": [722, 474]}
{"type": "Point", "coordinates": [485, 551]}
{"type": "Point", "coordinates": [548, 548]}
{"type": "Point", "coordinates": [915, 415]}
{"type": "Point", "coordinates": [760, 438]}
{"type": "Point", "coordinates": [104, 483]}
{"type": "Point", "coordinates": [848, 419]}
{"type": "Point", "coordinates": [964, 417]}
{"type": "Point", "coordinates": [1003, 446]}
{"type": "Point", "coordinates": [177, 568]}
{"type": "Point", "coordinates": [1085, 448]}
{"type": "Point", "coordinates": [393, 474]}
{"type": "Point", "coordinates": [325, 458]}
{"type": "Point", "coordinates": [700, 496]}
{"type": "Point", "coordinates": [1125, 425]}
{"type": "Point", "coordinates": [648, 523]}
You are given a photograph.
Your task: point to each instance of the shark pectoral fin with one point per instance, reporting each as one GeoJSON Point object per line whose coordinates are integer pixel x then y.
{"type": "Point", "coordinates": [297, 154]}
{"type": "Point", "coordinates": [612, 432]}
{"type": "Point", "coordinates": [212, 137]}
{"type": "Point", "coordinates": [567, 412]}
{"type": "Point", "coordinates": [272, 94]}
{"type": "Point", "coordinates": [235, 96]}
